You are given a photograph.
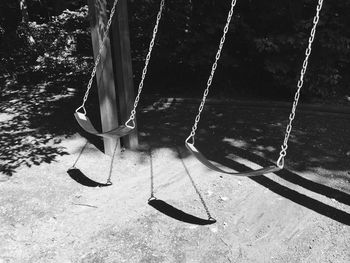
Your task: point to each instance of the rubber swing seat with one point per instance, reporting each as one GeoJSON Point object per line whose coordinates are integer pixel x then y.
{"type": "Point", "coordinates": [87, 126]}
{"type": "Point", "coordinates": [210, 165]}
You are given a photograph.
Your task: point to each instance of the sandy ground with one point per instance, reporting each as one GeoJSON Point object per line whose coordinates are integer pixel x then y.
{"type": "Point", "coordinates": [46, 216]}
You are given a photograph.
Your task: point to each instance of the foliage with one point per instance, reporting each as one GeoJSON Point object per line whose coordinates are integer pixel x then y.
{"type": "Point", "coordinates": [264, 49]}
{"type": "Point", "coordinates": [63, 36]}
{"type": "Point", "coordinates": [38, 83]}
{"type": "Point", "coordinates": [262, 55]}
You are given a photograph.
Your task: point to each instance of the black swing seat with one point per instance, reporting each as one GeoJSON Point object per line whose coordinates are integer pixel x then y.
{"type": "Point", "coordinates": [82, 179]}
{"type": "Point", "coordinates": [207, 163]}
{"type": "Point", "coordinates": [87, 126]}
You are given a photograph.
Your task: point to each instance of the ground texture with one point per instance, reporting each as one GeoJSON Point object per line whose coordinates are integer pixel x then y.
{"type": "Point", "coordinates": [300, 214]}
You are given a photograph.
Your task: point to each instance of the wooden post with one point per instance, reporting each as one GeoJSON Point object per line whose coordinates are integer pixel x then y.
{"type": "Point", "coordinates": [123, 70]}
{"type": "Point", "coordinates": [104, 74]}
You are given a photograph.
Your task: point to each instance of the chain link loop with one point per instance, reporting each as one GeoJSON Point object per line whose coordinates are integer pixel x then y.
{"type": "Point", "coordinates": [98, 58]}
{"type": "Point", "coordinates": [213, 68]}
{"type": "Point", "coordinates": [284, 146]}
{"type": "Point", "coordinates": [144, 71]}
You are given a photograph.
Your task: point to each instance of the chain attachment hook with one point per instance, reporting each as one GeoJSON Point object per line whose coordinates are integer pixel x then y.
{"type": "Point", "coordinates": [127, 123]}
{"type": "Point", "coordinates": [109, 182]}
{"type": "Point", "coordinates": [191, 137]}
{"type": "Point", "coordinates": [82, 107]}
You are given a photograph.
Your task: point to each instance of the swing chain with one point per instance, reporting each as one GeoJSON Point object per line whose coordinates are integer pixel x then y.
{"type": "Point", "coordinates": [144, 71]}
{"type": "Point", "coordinates": [109, 181]}
{"type": "Point", "coordinates": [284, 146]}
{"type": "Point", "coordinates": [213, 68]}
{"type": "Point", "coordinates": [98, 58]}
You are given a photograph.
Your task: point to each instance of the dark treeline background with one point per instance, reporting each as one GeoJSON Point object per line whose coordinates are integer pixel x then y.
{"type": "Point", "coordinates": [262, 55]}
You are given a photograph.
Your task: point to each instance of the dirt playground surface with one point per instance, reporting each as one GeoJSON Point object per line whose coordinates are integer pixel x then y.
{"type": "Point", "coordinates": [300, 214]}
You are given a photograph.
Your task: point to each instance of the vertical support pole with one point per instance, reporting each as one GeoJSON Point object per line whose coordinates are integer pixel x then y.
{"type": "Point", "coordinates": [104, 74]}
{"type": "Point", "coordinates": [123, 70]}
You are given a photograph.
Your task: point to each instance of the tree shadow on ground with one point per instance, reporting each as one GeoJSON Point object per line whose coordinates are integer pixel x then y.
{"type": "Point", "coordinates": [276, 187]}
{"type": "Point", "coordinates": [317, 142]}
{"type": "Point", "coordinates": [36, 109]}
{"type": "Point", "coordinates": [41, 85]}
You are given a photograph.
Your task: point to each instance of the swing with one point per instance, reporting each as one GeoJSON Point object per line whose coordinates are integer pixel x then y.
{"type": "Point", "coordinates": [122, 130]}
{"type": "Point", "coordinates": [189, 142]}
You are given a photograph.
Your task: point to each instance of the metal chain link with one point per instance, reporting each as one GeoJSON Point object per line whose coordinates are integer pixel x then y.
{"type": "Point", "coordinates": [152, 197]}
{"type": "Point", "coordinates": [213, 68]}
{"type": "Point", "coordinates": [98, 58]}
{"type": "Point", "coordinates": [210, 218]}
{"type": "Point", "coordinates": [284, 146]}
{"type": "Point", "coordinates": [79, 155]}
{"type": "Point", "coordinates": [144, 71]}
{"type": "Point", "coordinates": [111, 163]}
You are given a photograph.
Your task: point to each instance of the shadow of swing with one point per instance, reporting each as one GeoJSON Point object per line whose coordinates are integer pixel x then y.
{"type": "Point", "coordinates": [172, 211]}
{"type": "Point", "coordinates": [301, 199]}
{"type": "Point", "coordinates": [177, 214]}
{"type": "Point", "coordinates": [304, 200]}
{"type": "Point", "coordinates": [82, 179]}
{"type": "Point", "coordinates": [287, 175]}
{"type": "Point", "coordinates": [321, 189]}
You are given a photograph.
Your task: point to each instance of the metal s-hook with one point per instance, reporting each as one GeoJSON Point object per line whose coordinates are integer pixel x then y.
{"type": "Point", "coordinates": [280, 162]}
